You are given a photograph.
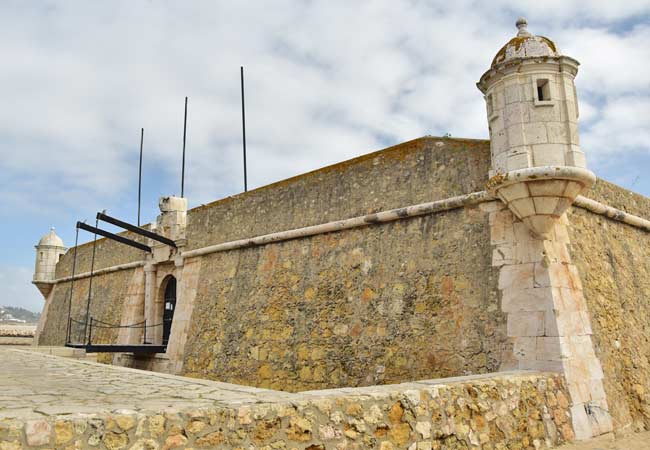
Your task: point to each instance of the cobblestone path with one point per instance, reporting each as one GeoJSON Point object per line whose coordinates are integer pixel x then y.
{"type": "Point", "coordinates": [35, 385]}
{"type": "Point", "coordinates": [73, 404]}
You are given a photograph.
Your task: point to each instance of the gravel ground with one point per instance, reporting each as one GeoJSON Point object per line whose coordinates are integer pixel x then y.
{"type": "Point", "coordinates": [636, 441]}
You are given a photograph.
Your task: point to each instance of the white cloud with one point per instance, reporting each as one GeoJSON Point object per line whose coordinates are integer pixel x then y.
{"type": "Point", "coordinates": [325, 81]}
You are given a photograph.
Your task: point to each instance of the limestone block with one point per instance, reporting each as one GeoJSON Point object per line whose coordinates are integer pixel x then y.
{"type": "Point", "coordinates": [528, 93]}
{"type": "Point", "coordinates": [530, 299]}
{"type": "Point", "coordinates": [556, 252]}
{"type": "Point", "coordinates": [496, 122]}
{"type": "Point", "coordinates": [569, 299]}
{"type": "Point", "coordinates": [513, 93]}
{"type": "Point", "coordinates": [535, 133]}
{"type": "Point", "coordinates": [499, 164]}
{"type": "Point", "coordinates": [501, 255]}
{"type": "Point", "coordinates": [545, 112]}
{"type": "Point", "coordinates": [574, 136]}
{"type": "Point", "coordinates": [578, 346]}
{"type": "Point", "coordinates": [499, 141]}
{"type": "Point", "coordinates": [576, 158]}
{"type": "Point", "coordinates": [546, 205]}
{"type": "Point", "coordinates": [548, 154]}
{"type": "Point", "coordinates": [513, 192]}
{"type": "Point", "coordinates": [581, 422]}
{"type": "Point", "coordinates": [499, 100]}
{"type": "Point", "coordinates": [600, 419]}
{"type": "Point", "coordinates": [515, 113]}
{"type": "Point", "coordinates": [501, 229]}
{"type": "Point", "coordinates": [547, 187]}
{"type": "Point", "coordinates": [531, 251]}
{"type": "Point", "coordinates": [516, 135]}
{"type": "Point", "coordinates": [550, 348]}
{"type": "Point", "coordinates": [541, 365]}
{"type": "Point", "coordinates": [524, 348]}
{"type": "Point", "coordinates": [169, 204]}
{"type": "Point", "coordinates": [557, 132]}
{"type": "Point", "coordinates": [550, 324]}
{"type": "Point", "coordinates": [523, 207]}
{"type": "Point", "coordinates": [522, 324]}
{"type": "Point", "coordinates": [571, 110]}
{"type": "Point", "coordinates": [519, 276]}
{"type": "Point", "coordinates": [517, 159]}
{"type": "Point", "coordinates": [583, 369]}
{"type": "Point", "coordinates": [523, 233]}
{"type": "Point", "coordinates": [581, 390]}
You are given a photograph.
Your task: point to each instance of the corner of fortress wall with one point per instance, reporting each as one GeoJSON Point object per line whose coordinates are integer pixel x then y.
{"type": "Point", "coordinates": [481, 293]}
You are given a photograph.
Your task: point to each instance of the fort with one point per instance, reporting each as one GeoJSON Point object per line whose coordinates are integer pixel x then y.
{"type": "Point", "coordinates": [442, 293]}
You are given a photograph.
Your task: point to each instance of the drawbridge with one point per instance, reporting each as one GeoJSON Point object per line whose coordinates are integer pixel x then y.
{"type": "Point", "coordinates": [90, 333]}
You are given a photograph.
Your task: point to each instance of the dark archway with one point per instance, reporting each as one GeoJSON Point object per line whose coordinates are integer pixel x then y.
{"type": "Point", "coordinates": [169, 307]}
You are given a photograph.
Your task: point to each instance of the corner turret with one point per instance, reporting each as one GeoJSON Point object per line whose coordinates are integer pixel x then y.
{"type": "Point", "coordinates": [48, 252]}
{"type": "Point", "coordinates": [538, 168]}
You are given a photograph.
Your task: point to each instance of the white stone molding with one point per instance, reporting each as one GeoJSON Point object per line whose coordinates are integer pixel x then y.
{"type": "Point", "coordinates": [355, 222]}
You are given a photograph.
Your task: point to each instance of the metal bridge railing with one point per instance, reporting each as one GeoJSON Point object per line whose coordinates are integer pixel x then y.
{"type": "Point", "coordinates": [84, 330]}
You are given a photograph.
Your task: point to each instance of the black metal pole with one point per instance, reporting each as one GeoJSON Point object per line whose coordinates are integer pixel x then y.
{"type": "Point", "coordinates": [74, 266]}
{"type": "Point", "coordinates": [90, 282]}
{"type": "Point", "coordinates": [243, 127]}
{"type": "Point", "coordinates": [140, 174]}
{"type": "Point", "coordinates": [184, 135]}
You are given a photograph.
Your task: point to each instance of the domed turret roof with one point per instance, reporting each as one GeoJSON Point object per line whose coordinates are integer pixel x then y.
{"type": "Point", "coordinates": [51, 239]}
{"type": "Point", "coordinates": [525, 45]}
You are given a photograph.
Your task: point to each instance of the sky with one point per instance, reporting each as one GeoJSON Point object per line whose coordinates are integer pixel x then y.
{"type": "Point", "coordinates": [325, 81]}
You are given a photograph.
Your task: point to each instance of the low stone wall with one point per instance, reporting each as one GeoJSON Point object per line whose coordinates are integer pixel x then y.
{"type": "Point", "coordinates": [17, 330]}
{"type": "Point", "coordinates": [17, 334]}
{"type": "Point", "coordinates": [497, 411]}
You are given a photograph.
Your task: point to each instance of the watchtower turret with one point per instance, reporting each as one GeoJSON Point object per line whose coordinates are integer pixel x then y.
{"type": "Point", "coordinates": [48, 251]}
{"type": "Point", "coordinates": [538, 168]}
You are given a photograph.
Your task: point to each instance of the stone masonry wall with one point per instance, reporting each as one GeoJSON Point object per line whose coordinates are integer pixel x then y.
{"type": "Point", "coordinates": [376, 305]}
{"type": "Point", "coordinates": [108, 294]}
{"type": "Point", "coordinates": [508, 411]}
{"type": "Point", "coordinates": [614, 260]}
{"type": "Point", "coordinates": [417, 171]}
{"type": "Point", "coordinates": [380, 304]}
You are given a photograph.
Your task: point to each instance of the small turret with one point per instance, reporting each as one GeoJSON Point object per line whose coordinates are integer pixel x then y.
{"type": "Point", "coordinates": [48, 251]}
{"type": "Point", "coordinates": [538, 168]}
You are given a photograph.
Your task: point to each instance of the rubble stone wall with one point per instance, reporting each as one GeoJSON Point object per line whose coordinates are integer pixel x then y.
{"type": "Point", "coordinates": [502, 411]}
{"type": "Point", "coordinates": [374, 305]}
{"type": "Point", "coordinates": [418, 171]}
{"type": "Point", "coordinates": [614, 261]}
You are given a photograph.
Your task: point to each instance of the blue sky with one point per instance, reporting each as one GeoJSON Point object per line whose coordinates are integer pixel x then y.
{"type": "Point", "coordinates": [325, 81]}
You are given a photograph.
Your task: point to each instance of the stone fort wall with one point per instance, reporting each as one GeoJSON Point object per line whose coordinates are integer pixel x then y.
{"type": "Point", "coordinates": [614, 261]}
{"type": "Point", "coordinates": [109, 290]}
{"type": "Point", "coordinates": [378, 304]}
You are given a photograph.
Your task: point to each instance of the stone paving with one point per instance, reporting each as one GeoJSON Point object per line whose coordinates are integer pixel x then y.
{"type": "Point", "coordinates": [34, 384]}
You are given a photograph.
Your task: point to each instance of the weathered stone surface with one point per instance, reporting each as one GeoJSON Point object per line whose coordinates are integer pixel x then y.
{"type": "Point", "coordinates": [508, 410]}
{"type": "Point", "coordinates": [614, 261]}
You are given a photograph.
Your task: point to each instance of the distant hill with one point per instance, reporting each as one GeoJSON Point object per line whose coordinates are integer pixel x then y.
{"type": "Point", "coordinates": [15, 314]}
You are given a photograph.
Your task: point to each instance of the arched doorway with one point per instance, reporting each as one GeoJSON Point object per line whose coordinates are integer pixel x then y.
{"type": "Point", "coordinates": [169, 307]}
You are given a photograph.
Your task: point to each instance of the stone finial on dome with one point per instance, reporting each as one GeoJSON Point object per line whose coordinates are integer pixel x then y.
{"type": "Point", "coordinates": [522, 25]}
